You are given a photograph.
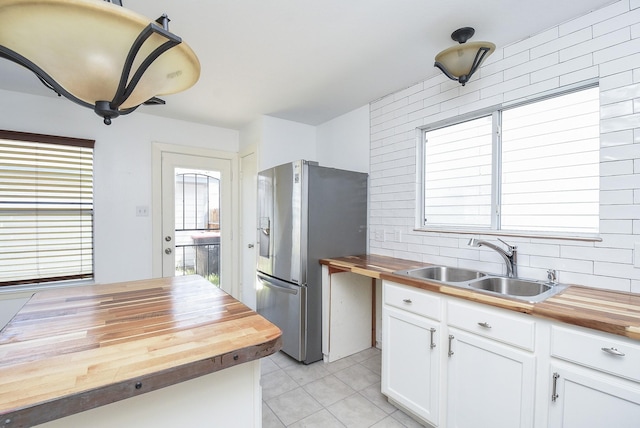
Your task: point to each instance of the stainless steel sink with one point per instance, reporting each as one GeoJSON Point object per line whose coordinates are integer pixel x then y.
{"type": "Point", "coordinates": [511, 286]}
{"type": "Point", "coordinates": [529, 290]}
{"type": "Point", "coordinates": [443, 274]}
{"type": "Point", "coordinates": [516, 288]}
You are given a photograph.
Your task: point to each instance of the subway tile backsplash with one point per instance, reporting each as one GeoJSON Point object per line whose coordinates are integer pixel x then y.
{"type": "Point", "coordinates": [604, 44]}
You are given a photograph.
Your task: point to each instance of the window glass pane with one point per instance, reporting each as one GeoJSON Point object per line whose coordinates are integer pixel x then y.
{"type": "Point", "coordinates": [46, 212]}
{"type": "Point", "coordinates": [550, 164]}
{"type": "Point", "coordinates": [457, 169]}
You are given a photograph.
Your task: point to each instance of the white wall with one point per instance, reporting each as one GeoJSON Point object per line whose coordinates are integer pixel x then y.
{"type": "Point", "coordinates": [603, 45]}
{"type": "Point", "coordinates": [122, 170]}
{"type": "Point", "coordinates": [285, 141]}
{"type": "Point", "coordinates": [344, 141]}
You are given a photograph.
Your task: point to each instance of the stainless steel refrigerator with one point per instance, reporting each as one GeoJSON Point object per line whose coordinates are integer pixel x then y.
{"type": "Point", "coordinates": [305, 213]}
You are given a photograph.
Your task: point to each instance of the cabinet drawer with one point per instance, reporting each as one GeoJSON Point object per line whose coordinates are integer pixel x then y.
{"type": "Point", "coordinates": [412, 299]}
{"type": "Point", "coordinates": [597, 351]}
{"type": "Point", "coordinates": [513, 329]}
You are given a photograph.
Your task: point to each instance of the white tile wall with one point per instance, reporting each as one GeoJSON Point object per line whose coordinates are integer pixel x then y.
{"type": "Point", "coordinates": [604, 44]}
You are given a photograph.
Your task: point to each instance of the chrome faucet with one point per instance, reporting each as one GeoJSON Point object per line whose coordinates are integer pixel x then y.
{"type": "Point", "coordinates": [509, 256]}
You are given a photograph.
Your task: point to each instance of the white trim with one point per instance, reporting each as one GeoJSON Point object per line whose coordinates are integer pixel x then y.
{"type": "Point", "coordinates": [156, 200]}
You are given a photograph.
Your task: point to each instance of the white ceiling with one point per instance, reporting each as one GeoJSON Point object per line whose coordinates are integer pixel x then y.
{"type": "Point", "coordinates": [310, 61]}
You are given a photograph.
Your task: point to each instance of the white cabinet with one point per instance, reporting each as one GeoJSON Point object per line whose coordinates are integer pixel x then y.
{"type": "Point", "coordinates": [346, 314]}
{"type": "Point", "coordinates": [594, 380]}
{"type": "Point", "coordinates": [491, 382]}
{"type": "Point", "coordinates": [411, 356]}
{"type": "Point", "coordinates": [459, 364]}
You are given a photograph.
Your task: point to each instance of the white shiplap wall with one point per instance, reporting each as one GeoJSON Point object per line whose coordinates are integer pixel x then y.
{"type": "Point", "coordinates": [603, 45]}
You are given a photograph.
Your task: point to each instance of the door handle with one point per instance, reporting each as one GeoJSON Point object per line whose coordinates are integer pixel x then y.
{"type": "Point", "coordinates": [167, 251]}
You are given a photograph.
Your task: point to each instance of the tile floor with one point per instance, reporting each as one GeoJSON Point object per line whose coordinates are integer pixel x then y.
{"type": "Point", "coordinates": [345, 393]}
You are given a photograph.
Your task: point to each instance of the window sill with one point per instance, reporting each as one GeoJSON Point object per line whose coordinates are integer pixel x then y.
{"type": "Point", "coordinates": [479, 231]}
{"type": "Point", "coordinates": [29, 289]}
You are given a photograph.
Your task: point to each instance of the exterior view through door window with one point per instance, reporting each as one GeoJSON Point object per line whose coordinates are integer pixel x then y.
{"type": "Point", "coordinates": [197, 230]}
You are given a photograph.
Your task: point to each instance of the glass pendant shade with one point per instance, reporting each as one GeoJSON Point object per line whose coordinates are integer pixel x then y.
{"type": "Point", "coordinates": [458, 60]}
{"type": "Point", "coordinates": [461, 61]}
{"type": "Point", "coordinates": [83, 46]}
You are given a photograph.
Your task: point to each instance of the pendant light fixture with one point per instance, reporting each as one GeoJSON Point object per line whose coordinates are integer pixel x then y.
{"type": "Point", "coordinates": [96, 53]}
{"type": "Point", "coordinates": [461, 61]}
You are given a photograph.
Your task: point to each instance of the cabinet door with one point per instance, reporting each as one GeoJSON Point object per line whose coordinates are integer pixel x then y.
{"type": "Point", "coordinates": [585, 398]}
{"type": "Point", "coordinates": [489, 384]}
{"type": "Point", "coordinates": [411, 362]}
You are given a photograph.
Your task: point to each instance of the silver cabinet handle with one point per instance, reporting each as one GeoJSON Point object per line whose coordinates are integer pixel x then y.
{"type": "Point", "coordinates": [432, 330]}
{"type": "Point", "coordinates": [613, 351]}
{"type": "Point", "coordinates": [484, 324]}
{"type": "Point", "coordinates": [407, 300]}
{"type": "Point", "coordinates": [450, 339]}
{"type": "Point", "coordinates": [554, 393]}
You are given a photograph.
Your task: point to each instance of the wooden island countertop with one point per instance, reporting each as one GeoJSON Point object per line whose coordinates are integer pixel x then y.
{"type": "Point", "coordinates": [73, 349]}
{"type": "Point", "coordinates": [608, 311]}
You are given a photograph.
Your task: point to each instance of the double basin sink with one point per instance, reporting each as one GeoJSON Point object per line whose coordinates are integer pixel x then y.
{"type": "Point", "coordinates": [523, 289]}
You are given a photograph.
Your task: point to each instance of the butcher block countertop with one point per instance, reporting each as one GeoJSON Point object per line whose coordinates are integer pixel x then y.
{"type": "Point", "coordinates": [73, 349]}
{"type": "Point", "coordinates": [608, 311]}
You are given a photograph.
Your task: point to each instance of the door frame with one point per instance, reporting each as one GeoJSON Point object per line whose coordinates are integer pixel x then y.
{"type": "Point", "coordinates": [245, 234]}
{"type": "Point", "coordinates": [157, 149]}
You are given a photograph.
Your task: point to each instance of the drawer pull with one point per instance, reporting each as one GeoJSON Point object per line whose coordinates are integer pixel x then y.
{"type": "Point", "coordinates": [450, 353]}
{"type": "Point", "coordinates": [432, 330]}
{"type": "Point", "coordinates": [613, 351]}
{"type": "Point", "coordinates": [407, 300]}
{"type": "Point", "coordinates": [484, 324]}
{"type": "Point", "coordinates": [554, 393]}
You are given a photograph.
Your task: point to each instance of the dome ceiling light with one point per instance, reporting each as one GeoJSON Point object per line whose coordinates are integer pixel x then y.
{"type": "Point", "coordinates": [97, 53]}
{"type": "Point", "coordinates": [461, 61]}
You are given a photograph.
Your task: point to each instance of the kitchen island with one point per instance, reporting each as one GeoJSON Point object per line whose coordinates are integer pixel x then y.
{"type": "Point", "coordinates": [161, 352]}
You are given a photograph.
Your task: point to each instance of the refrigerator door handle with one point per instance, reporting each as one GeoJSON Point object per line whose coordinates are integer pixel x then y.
{"type": "Point", "coordinates": [277, 285]}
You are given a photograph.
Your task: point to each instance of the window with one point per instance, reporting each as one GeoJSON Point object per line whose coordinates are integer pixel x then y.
{"type": "Point", "coordinates": [46, 208]}
{"type": "Point", "coordinates": [530, 168]}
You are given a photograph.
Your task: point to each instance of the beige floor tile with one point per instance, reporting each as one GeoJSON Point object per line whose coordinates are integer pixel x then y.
{"type": "Point", "coordinates": [340, 364]}
{"type": "Point", "coordinates": [366, 354]}
{"type": "Point", "coordinates": [357, 377]}
{"type": "Point", "coordinates": [282, 360]}
{"type": "Point", "coordinates": [321, 419]}
{"type": "Point", "coordinates": [373, 394]}
{"type": "Point", "coordinates": [328, 390]}
{"type": "Point", "coordinates": [293, 406]}
{"type": "Point", "coordinates": [267, 366]}
{"type": "Point", "coordinates": [387, 422]}
{"type": "Point", "coordinates": [406, 420]}
{"type": "Point", "coordinates": [276, 383]}
{"type": "Point", "coordinates": [306, 374]}
{"type": "Point", "coordinates": [269, 419]}
{"type": "Point", "coordinates": [374, 363]}
{"type": "Point", "coordinates": [356, 411]}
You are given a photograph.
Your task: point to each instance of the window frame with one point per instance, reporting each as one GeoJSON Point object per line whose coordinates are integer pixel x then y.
{"type": "Point", "coordinates": [60, 279]}
{"type": "Point", "coordinates": [496, 167]}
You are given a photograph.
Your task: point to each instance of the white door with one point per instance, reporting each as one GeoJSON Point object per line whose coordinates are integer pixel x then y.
{"type": "Point", "coordinates": [489, 384]}
{"type": "Point", "coordinates": [584, 398]}
{"type": "Point", "coordinates": [411, 362]}
{"type": "Point", "coordinates": [196, 223]}
{"type": "Point", "coordinates": [248, 197]}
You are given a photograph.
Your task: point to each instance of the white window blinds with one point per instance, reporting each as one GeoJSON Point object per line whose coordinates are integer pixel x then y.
{"type": "Point", "coordinates": [457, 163]}
{"type": "Point", "coordinates": [46, 208]}
{"type": "Point", "coordinates": [530, 168]}
{"type": "Point", "coordinates": [550, 164]}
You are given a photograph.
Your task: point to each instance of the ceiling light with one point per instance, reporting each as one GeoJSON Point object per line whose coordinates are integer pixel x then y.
{"type": "Point", "coordinates": [97, 53]}
{"type": "Point", "coordinates": [460, 62]}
